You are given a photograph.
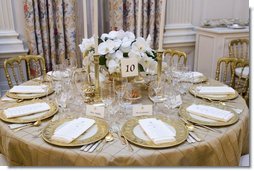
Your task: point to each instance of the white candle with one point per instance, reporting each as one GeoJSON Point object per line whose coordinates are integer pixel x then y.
{"type": "Point", "coordinates": [85, 19]}
{"type": "Point", "coordinates": [162, 24]}
{"type": "Point", "coordinates": [95, 26]}
{"type": "Point", "coordinates": [139, 17]}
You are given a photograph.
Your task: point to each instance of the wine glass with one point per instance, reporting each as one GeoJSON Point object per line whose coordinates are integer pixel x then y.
{"type": "Point", "coordinates": [156, 93]}
{"type": "Point", "coordinates": [107, 96]}
{"type": "Point", "coordinates": [120, 85]}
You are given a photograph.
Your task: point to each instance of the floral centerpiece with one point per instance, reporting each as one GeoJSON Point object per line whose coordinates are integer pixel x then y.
{"type": "Point", "coordinates": [117, 45]}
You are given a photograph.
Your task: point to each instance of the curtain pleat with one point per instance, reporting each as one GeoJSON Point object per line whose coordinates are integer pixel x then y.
{"type": "Point", "coordinates": [51, 30]}
{"type": "Point", "coordinates": [123, 15]}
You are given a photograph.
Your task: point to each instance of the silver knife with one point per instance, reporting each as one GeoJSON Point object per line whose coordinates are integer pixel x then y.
{"type": "Point", "coordinates": [188, 140]}
{"type": "Point", "coordinates": [94, 146]}
{"type": "Point", "coordinates": [192, 139]}
{"type": "Point", "coordinates": [83, 147]}
{"type": "Point", "coordinates": [88, 147]}
{"type": "Point", "coordinates": [195, 136]}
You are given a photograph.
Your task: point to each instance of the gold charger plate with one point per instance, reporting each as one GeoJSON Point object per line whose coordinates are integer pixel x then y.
{"type": "Point", "coordinates": [29, 118]}
{"type": "Point", "coordinates": [193, 91]}
{"type": "Point", "coordinates": [128, 132]}
{"type": "Point", "coordinates": [183, 113]}
{"type": "Point", "coordinates": [31, 96]}
{"type": "Point", "coordinates": [101, 132]}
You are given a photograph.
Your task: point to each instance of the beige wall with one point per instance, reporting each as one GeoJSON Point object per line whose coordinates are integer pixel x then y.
{"type": "Point", "coordinates": [19, 19]}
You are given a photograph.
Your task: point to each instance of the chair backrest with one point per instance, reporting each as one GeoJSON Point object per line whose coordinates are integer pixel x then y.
{"type": "Point", "coordinates": [225, 70]}
{"type": "Point", "coordinates": [175, 57]}
{"type": "Point", "coordinates": [13, 68]}
{"type": "Point", "coordinates": [239, 48]}
{"type": "Point", "coordinates": [241, 83]}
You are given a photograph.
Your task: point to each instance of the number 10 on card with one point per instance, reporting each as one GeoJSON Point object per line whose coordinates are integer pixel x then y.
{"type": "Point", "coordinates": [129, 67]}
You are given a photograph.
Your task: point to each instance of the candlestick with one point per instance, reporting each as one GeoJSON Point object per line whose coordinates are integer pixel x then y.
{"type": "Point", "coordinates": [159, 65]}
{"type": "Point", "coordinates": [85, 19]}
{"type": "Point", "coordinates": [162, 24]}
{"type": "Point", "coordinates": [97, 81]}
{"type": "Point", "coordinates": [95, 29]}
{"type": "Point", "coordinates": [139, 17]}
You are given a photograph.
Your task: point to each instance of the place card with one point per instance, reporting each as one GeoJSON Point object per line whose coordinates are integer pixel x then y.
{"type": "Point", "coordinates": [129, 67]}
{"type": "Point", "coordinates": [177, 101]}
{"type": "Point", "coordinates": [139, 110]}
{"type": "Point", "coordinates": [95, 110]}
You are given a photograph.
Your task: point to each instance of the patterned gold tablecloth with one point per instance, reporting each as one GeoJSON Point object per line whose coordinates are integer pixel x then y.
{"type": "Point", "coordinates": [25, 147]}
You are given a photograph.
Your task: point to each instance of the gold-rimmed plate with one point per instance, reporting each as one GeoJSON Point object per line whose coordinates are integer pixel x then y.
{"type": "Point", "coordinates": [193, 91]}
{"type": "Point", "coordinates": [97, 132]}
{"type": "Point", "coordinates": [33, 117]}
{"type": "Point", "coordinates": [133, 132]}
{"type": "Point", "coordinates": [204, 121]}
{"type": "Point", "coordinates": [29, 96]}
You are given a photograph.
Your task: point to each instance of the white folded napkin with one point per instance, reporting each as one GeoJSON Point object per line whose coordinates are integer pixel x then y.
{"type": "Point", "coordinates": [197, 74]}
{"type": "Point", "coordinates": [29, 89]}
{"type": "Point", "coordinates": [14, 126]}
{"type": "Point", "coordinates": [190, 76]}
{"type": "Point", "coordinates": [157, 131]}
{"type": "Point", "coordinates": [210, 112]}
{"type": "Point", "coordinates": [26, 110]}
{"type": "Point", "coordinates": [216, 90]}
{"type": "Point", "coordinates": [72, 130]}
{"type": "Point", "coordinates": [59, 74]}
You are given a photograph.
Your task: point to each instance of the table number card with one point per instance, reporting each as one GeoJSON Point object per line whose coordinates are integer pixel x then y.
{"type": "Point", "coordinates": [93, 110]}
{"type": "Point", "coordinates": [177, 101]}
{"type": "Point", "coordinates": [139, 110]}
{"type": "Point", "coordinates": [129, 67]}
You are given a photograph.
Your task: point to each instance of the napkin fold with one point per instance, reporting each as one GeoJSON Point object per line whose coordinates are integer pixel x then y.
{"type": "Point", "coordinates": [157, 131]}
{"type": "Point", "coordinates": [216, 90]}
{"type": "Point", "coordinates": [72, 130]}
{"type": "Point", "coordinates": [26, 110]}
{"type": "Point", "coordinates": [210, 112]}
{"type": "Point", "coordinates": [29, 89]}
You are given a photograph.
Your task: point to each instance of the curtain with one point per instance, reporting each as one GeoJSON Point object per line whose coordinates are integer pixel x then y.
{"type": "Point", "coordinates": [51, 30]}
{"type": "Point", "coordinates": [123, 15]}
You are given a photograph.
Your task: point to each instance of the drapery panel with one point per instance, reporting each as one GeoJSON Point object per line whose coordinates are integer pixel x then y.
{"type": "Point", "coordinates": [123, 14]}
{"type": "Point", "coordinates": [51, 30]}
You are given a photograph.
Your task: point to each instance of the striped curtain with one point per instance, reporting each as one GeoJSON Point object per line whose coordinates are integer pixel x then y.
{"type": "Point", "coordinates": [123, 15]}
{"type": "Point", "coordinates": [51, 29]}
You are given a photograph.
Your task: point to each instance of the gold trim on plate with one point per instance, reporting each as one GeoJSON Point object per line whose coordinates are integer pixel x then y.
{"type": "Point", "coordinates": [181, 132]}
{"type": "Point", "coordinates": [183, 113]}
{"type": "Point", "coordinates": [53, 110]}
{"type": "Point", "coordinates": [193, 91]}
{"type": "Point", "coordinates": [102, 131]}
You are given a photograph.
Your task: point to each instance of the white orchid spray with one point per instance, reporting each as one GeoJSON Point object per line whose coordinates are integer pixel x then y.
{"type": "Point", "coordinates": [116, 45]}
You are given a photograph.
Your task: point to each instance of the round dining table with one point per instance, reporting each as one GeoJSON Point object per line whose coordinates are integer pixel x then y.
{"type": "Point", "coordinates": [27, 148]}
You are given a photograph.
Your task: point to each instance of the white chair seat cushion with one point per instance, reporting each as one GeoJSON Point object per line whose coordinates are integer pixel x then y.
{"type": "Point", "coordinates": [244, 72]}
{"type": "Point", "coordinates": [3, 161]}
{"type": "Point", "coordinates": [245, 160]}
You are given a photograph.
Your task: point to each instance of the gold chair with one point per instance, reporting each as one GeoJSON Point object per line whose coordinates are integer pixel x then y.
{"type": "Point", "coordinates": [180, 56]}
{"type": "Point", "coordinates": [241, 82]}
{"type": "Point", "coordinates": [14, 66]}
{"type": "Point", "coordinates": [225, 70]}
{"type": "Point", "coordinates": [239, 48]}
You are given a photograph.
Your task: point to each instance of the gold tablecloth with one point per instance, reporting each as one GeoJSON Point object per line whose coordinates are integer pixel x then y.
{"type": "Point", "coordinates": [26, 148]}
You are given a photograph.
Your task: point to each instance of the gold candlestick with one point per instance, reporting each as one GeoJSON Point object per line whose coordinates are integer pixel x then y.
{"type": "Point", "coordinates": [97, 97]}
{"type": "Point", "coordinates": [159, 66]}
